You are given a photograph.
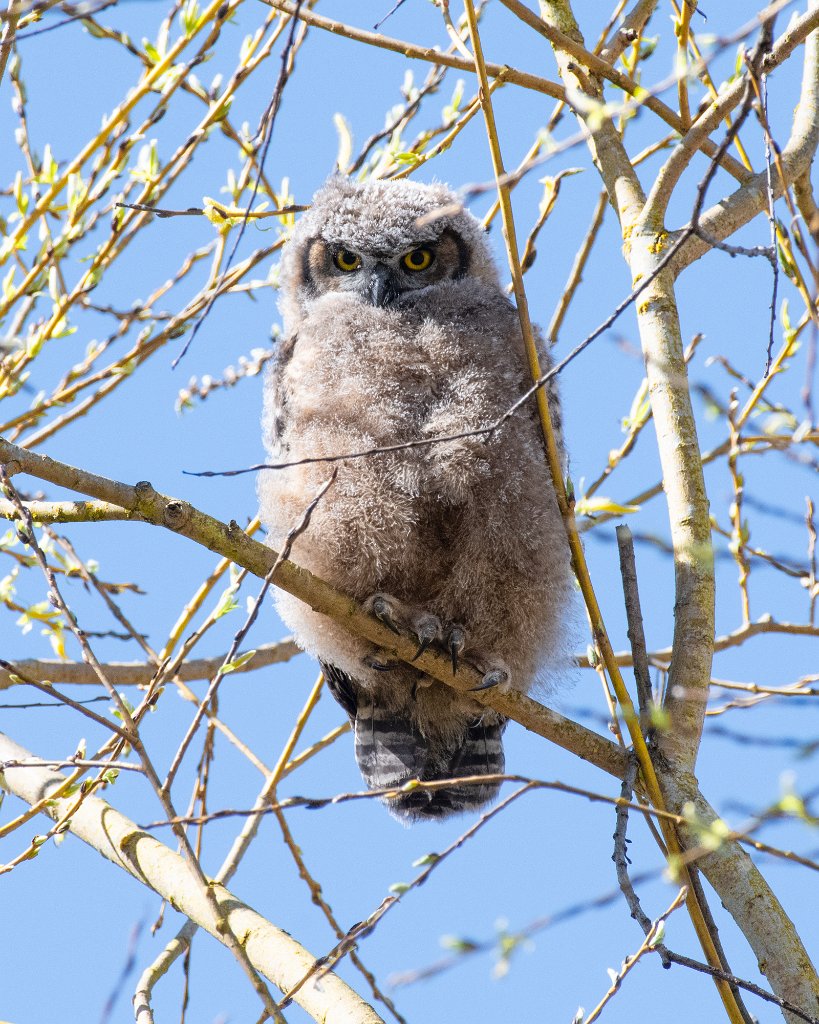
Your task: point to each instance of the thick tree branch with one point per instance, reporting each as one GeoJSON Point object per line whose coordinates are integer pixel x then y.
{"type": "Point", "coordinates": [673, 417]}
{"type": "Point", "coordinates": [140, 673]}
{"type": "Point", "coordinates": [146, 505]}
{"type": "Point", "coordinates": [50, 512]}
{"type": "Point", "coordinates": [713, 116]}
{"type": "Point", "coordinates": [661, 342]}
{"type": "Point", "coordinates": [271, 951]}
{"type": "Point", "coordinates": [747, 897]}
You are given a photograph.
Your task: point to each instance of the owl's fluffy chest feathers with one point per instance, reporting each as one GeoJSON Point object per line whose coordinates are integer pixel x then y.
{"type": "Point", "coordinates": [390, 373]}
{"type": "Point", "coordinates": [359, 377]}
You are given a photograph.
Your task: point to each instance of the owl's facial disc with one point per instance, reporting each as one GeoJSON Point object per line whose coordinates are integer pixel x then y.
{"type": "Point", "coordinates": [381, 277]}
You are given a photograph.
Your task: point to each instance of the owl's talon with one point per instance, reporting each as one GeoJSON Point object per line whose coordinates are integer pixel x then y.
{"type": "Point", "coordinates": [422, 646]}
{"type": "Point", "coordinates": [456, 641]}
{"type": "Point", "coordinates": [427, 627]}
{"type": "Point", "coordinates": [495, 677]}
{"type": "Point", "coordinates": [382, 610]}
{"type": "Point", "coordinates": [380, 666]}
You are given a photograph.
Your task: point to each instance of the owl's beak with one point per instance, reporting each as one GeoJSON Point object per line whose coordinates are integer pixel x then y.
{"type": "Point", "coordinates": [381, 287]}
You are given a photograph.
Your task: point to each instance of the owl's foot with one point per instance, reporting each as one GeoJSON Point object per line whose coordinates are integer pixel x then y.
{"type": "Point", "coordinates": [496, 673]}
{"type": "Point", "coordinates": [404, 620]}
{"type": "Point", "coordinates": [427, 629]}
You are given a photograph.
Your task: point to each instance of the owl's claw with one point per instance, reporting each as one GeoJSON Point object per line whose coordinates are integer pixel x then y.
{"type": "Point", "coordinates": [380, 666]}
{"type": "Point", "coordinates": [455, 641]}
{"type": "Point", "coordinates": [427, 627]}
{"type": "Point", "coordinates": [381, 608]}
{"type": "Point", "coordinates": [404, 620]}
{"type": "Point", "coordinates": [422, 646]}
{"type": "Point", "coordinates": [494, 677]}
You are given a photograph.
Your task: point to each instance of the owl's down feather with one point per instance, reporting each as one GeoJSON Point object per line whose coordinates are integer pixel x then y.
{"type": "Point", "coordinates": [396, 329]}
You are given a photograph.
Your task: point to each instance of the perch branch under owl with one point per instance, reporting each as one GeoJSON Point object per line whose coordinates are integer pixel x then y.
{"type": "Point", "coordinates": [148, 506]}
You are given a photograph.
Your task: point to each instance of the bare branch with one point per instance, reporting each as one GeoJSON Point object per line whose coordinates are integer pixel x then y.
{"type": "Point", "coordinates": [427, 53]}
{"type": "Point", "coordinates": [632, 28]}
{"type": "Point", "coordinates": [601, 67]}
{"type": "Point", "coordinates": [636, 635]}
{"type": "Point", "coordinates": [140, 673]}
{"type": "Point", "coordinates": [731, 213]}
{"type": "Point", "coordinates": [710, 119]}
{"type": "Point", "coordinates": [272, 952]}
{"type": "Point", "coordinates": [231, 541]}
{"type": "Point", "coordinates": [649, 942]}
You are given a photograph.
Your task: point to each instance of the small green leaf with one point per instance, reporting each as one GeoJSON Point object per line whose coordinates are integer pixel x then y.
{"type": "Point", "coordinates": [457, 944]}
{"type": "Point", "coordinates": [190, 16]}
{"type": "Point", "coordinates": [227, 602]}
{"type": "Point", "coordinates": [237, 663]}
{"type": "Point", "coordinates": [594, 506]}
{"type": "Point", "coordinates": [794, 805]}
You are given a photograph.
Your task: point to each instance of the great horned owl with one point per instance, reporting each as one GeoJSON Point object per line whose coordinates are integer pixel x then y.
{"type": "Point", "coordinates": [396, 329]}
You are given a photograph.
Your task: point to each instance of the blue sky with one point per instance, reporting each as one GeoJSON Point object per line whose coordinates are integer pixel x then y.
{"type": "Point", "coordinates": [73, 913]}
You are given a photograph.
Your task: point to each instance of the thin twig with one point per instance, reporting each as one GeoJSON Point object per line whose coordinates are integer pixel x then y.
{"type": "Point", "coordinates": [648, 945]}
{"type": "Point", "coordinates": [634, 615]}
{"type": "Point", "coordinates": [264, 136]}
{"type": "Point", "coordinates": [226, 212]}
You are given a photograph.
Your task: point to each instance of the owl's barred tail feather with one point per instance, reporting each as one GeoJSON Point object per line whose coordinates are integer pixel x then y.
{"type": "Point", "coordinates": [390, 751]}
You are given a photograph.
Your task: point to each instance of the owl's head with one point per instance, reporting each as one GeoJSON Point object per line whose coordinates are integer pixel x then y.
{"type": "Point", "coordinates": [379, 242]}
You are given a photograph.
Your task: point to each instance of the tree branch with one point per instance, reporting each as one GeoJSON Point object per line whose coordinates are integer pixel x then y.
{"type": "Point", "coordinates": [140, 673]}
{"type": "Point", "coordinates": [50, 512]}
{"type": "Point", "coordinates": [415, 52]}
{"type": "Point", "coordinates": [747, 897]}
{"type": "Point", "coordinates": [719, 109]}
{"type": "Point", "coordinates": [604, 69]}
{"type": "Point", "coordinates": [271, 951]}
{"type": "Point", "coordinates": [736, 210]}
{"type": "Point", "coordinates": [147, 505]}
{"type": "Point", "coordinates": [8, 32]}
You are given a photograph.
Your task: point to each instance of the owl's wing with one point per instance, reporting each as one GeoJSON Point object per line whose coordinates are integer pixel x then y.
{"type": "Point", "coordinates": [276, 394]}
{"type": "Point", "coordinates": [390, 751]}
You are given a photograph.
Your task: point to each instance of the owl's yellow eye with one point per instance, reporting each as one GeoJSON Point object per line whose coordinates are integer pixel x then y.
{"type": "Point", "coordinates": [346, 260]}
{"type": "Point", "coordinates": [418, 259]}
